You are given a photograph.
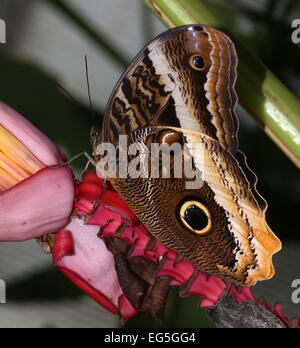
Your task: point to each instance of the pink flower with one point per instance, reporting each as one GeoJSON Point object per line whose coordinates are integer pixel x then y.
{"type": "Point", "coordinates": [80, 252]}
{"type": "Point", "coordinates": [34, 199]}
{"type": "Point", "coordinates": [83, 257]}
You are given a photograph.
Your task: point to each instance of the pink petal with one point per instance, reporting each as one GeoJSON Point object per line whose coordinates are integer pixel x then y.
{"type": "Point", "coordinates": [31, 137]}
{"type": "Point", "coordinates": [63, 246]}
{"type": "Point", "coordinates": [242, 294]}
{"type": "Point", "coordinates": [180, 271]}
{"type": "Point", "coordinates": [126, 309]}
{"type": "Point", "coordinates": [104, 214]}
{"type": "Point", "coordinates": [91, 176]}
{"type": "Point", "coordinates": [82, 256]}
{"type": "Point", "coordinates": [277, 310]}
{"type": "Point", "coordinates": [39, 205]}
{"type": "Point", "coordinates": [209, 289]}
{"type": "Point", "coordinates": [91, 188]}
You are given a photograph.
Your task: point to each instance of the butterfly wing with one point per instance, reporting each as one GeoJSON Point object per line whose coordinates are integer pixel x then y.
{"type": "Point", "coordinates": [181, 86]}
{"type": "Point", "coordinates": [235, 241]}
{"type": "Point", "coordinates": [164, 87]}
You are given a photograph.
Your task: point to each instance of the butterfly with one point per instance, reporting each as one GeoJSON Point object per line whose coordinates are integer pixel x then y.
{"type": "Point", "coordinates": [180, 89]}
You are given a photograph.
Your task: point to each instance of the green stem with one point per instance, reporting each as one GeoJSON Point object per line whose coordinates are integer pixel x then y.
{"type": "Point", "coordinates": [92, 33]}
{"type": "Point", "coordinates": [265, 98]}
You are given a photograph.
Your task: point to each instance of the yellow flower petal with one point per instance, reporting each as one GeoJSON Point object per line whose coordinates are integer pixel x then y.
{"type": "Point", "coordinates": [12, 168]}
{"type": "Point", "coordinates": [16, 157]}
{"type": "Point", "coordinates": [6, 180]}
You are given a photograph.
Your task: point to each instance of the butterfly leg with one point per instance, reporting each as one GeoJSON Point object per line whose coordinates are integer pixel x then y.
{"type": "Point", "coordinates": [86, 167]}
{"type": "Point", "coordinates": [227, 289]}
{"type": "Point", "coordinates": [85, 154]}
{"type": "Point", "coordinates": [96, 202]}
{"type": "Point", "coordinates": [93, 162]}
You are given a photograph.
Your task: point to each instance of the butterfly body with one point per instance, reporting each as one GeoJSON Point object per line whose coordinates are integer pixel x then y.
{"type": "Point", "coordinates": [180, 89]}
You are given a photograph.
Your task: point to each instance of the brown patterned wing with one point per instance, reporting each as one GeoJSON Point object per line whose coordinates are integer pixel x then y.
{"type": "Point", "coordinates": [184, 78]}
{"type": "Point", "coordinates": [180, 89]}
{"type": "Point", "coordinates": [230, 237]}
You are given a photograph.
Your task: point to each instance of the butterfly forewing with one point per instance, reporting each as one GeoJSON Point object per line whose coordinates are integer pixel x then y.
{"type": "Point", "coordinates": [162, 87]}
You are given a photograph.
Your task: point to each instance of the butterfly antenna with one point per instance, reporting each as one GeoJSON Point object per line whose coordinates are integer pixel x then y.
{"type": "Point", "coordinates": [94, 114]}
{"type": "Point", "coordinates": [68, 94]}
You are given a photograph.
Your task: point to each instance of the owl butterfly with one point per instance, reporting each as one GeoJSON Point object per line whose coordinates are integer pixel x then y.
{"type": "Point", "coordinates": [180, 88]}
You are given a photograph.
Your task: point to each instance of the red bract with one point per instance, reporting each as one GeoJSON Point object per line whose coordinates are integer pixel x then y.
{"type": "Point", "coordinates": [82, 255]}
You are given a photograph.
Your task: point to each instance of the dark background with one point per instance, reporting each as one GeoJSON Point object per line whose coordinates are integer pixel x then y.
{"type": "Point", "coordinates": [46, 46]}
